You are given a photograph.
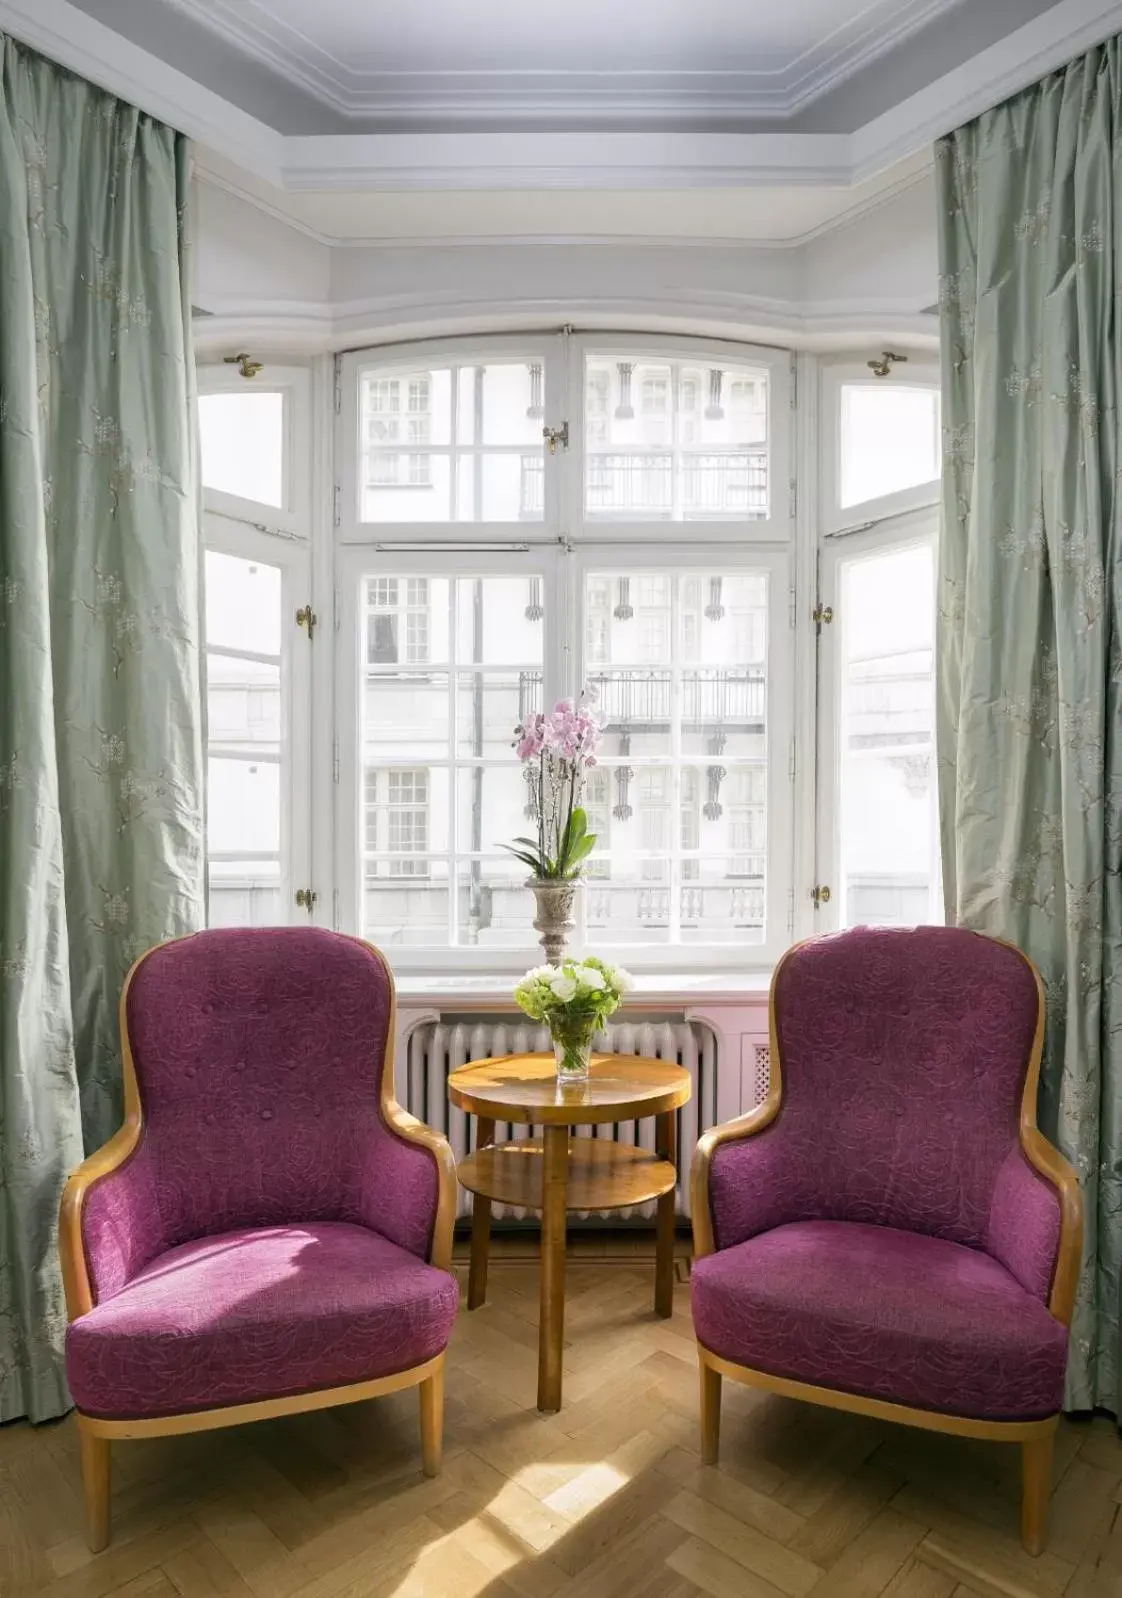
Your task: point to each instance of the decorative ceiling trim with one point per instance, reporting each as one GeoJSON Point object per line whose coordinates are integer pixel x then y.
{"type": "Point", "coordinates": [774, 89]}
{"type": "Point", "coordinates": [519, 160]}
{"type": "Point", "coordinates": [863, 207]}
{"type": "Point", "coordinates": [1040, 46]}
{"type": "Point", "coordinates": [77, 41]}
{"type": "Point", "coordinates": [321, 328]}
{"type": "Point", "coordinates": [599, 160]}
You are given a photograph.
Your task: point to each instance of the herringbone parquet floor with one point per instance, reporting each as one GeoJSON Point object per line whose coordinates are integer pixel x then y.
{"type": "Point", "coordinates": [605, 1500]}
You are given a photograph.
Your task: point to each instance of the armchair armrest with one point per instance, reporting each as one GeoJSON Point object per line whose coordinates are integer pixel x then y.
{"type": "Point", "coordinates": [1036, 1222]}
{"type": "Point", "coordinates": [408, 1185]}
{"type": "Point", "coordinates": [736, 1182]}
{"type": "Point", "coordinates": [109, 1222]}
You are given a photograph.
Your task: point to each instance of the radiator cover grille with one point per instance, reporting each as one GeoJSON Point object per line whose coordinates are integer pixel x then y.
{"type": "Point", "coordinates": [434, 1048]}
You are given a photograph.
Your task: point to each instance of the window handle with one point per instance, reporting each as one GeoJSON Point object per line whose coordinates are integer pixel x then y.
{"type": "Point", "coordinates": [556, 435]}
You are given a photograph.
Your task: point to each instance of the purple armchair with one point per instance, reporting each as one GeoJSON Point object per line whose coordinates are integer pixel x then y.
{"type": "Point", "coordinates": [269, 1231]}
{"type": "Point", "coordinates": [889, 1233]}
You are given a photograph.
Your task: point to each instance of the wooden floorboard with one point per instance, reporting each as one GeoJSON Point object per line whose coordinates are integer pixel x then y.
{"type": "Point", "coordinates": [607, 1499]}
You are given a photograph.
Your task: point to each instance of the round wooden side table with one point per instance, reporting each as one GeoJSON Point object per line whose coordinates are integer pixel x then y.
{"type": "Point", "coordinates": [555, 1172]}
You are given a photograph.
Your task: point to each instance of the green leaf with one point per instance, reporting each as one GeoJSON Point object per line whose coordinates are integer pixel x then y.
{"type": "Point", "coordinates": [580, 852]}
{"type": "Point", "coordinates": [530, 860]}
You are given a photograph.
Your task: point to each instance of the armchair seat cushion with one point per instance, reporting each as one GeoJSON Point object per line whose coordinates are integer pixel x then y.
{"type": "Point", "coordinates": [258, 1313]}
{"type": "Point", "coordinates": [894, 1315]}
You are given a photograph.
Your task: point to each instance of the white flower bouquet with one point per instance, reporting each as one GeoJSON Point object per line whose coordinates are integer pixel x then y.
{"type": "Point", "coordinates": [574, 1000]}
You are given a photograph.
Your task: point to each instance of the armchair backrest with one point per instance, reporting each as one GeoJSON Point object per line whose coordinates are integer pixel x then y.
{"type": "Point", "coordinates": [259, 1057]}
{"type": "Point", "coordinates": [903, 1054]}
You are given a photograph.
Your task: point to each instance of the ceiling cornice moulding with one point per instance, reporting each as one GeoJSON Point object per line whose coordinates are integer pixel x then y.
{"type": "Point", "coordinates": [519, 160]}
{"type": "Point", "coordinates": [779, 88]}
{"type": "Point", "coordinates": [77, 41]}
{"type": "Point", "coordinates": [707, 240]}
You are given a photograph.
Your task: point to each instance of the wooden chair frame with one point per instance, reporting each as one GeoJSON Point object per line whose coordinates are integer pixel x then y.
{"type": "Point", "coordinates": [1036, 1437]}
{"type": "Point", "coordinates": [96, 1433]}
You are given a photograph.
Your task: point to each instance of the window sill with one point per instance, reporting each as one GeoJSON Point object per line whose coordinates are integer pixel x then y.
{"type": "Point", "coordinates": [653, 990]}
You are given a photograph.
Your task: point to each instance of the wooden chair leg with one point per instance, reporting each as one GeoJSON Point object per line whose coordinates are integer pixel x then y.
{"type": "Point", "coordinates": [95, 1485]}
{"type": "Point", "coordinates": [710, 1412]}
{"type": "Point", "coordinates": [432, 1421]}
{"type": "Point", "coordinates": [1036, 1474]}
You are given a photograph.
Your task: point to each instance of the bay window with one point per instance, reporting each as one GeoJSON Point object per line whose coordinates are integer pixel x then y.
{"type": "Point", "coordinates": [509, 530]}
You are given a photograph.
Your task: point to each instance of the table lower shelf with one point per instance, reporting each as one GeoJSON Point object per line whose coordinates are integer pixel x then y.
{"type": "Point", "coordinates": [603, 1175]}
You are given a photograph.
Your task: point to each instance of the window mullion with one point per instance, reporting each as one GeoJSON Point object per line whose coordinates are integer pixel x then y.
{"type": "Point", "coordinates": [674, 929]}
{"type": "Point", "coordinates": [453, 818]}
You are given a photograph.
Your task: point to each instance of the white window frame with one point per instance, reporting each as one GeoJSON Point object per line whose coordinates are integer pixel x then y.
{"type": "Point", "coordinates": [294, 514]}
{"type": "Point", "coordinates": [779, 892]}
{"type": "Point", "coordinates": [252, 531]}
{"type": "Point", "coordinates": [354, 565]}
{"type": "Point", "coordinates": [350, 529]}
{"type": "Point", "coordinates": [917, 372]}
{"type": "Point", "coordinates": [917, 528]}
{"type": "Point", "coordinates": [777, 527]}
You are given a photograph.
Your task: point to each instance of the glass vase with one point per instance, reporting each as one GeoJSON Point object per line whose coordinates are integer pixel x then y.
{"type": "Point", "coordinates": [573, 1056]}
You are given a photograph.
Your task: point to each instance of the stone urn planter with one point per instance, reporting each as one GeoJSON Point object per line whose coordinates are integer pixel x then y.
{"type": "Point", "coordinates": [554, 898]}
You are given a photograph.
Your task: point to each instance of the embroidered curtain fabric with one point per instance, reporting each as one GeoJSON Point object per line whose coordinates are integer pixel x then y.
{"type": "Point", "coordinates": [101, 755]}
{"type": "Point", "coordinates": [1030, 659]}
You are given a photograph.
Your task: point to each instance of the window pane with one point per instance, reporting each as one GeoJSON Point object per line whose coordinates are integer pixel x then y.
{"type": "Point", "coordinates": [501, 404]}
{"type": "Point", "coordinates": [241, 444]}
{"type": "Point", "coordinates": [622, 907]}
{"type": "Point", "coordinates": [243, 604]}
{"type": "Point", "coordinates": [889, 439]}
{"type": "Point", "coordinates": [244, 893]}
{"type": "Point", "coordinates": [420, 817]}
{"type": "Point", "coordinates": [407, 909]}
{"type": "Point", "coordinates": [888, 821]}
{"type": "Point", "coordinates": [674, 441]}
{"type": "Point", "coordinates": [679, 799]}
{"type": "Point", "coordinates": [243, 807]}
{"type": "Point", "coordinates": [493, 908]}
{"type": "Point", "coordinates": [243, 704]}
{"type": "Point", "coordinates": [499, 620]}
{"type": "Point", "coordinates": [490, 808]}
{"type": "Point", "coordinates": [245, 741]}
{"type": "Point", "coordinates": [452, 443]}
{"type": "Point", "coordinates": [405, 621]}
{"type": "Point", "coordinates": [489, 706]}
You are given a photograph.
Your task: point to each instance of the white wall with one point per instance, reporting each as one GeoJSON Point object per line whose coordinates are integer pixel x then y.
{"type": "Point", "coordinates": [248, 262]}
{"type": "Point", "coordinates": [270, 282]}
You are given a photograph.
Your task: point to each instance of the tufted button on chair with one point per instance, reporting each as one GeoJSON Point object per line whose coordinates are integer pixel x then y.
{"type": "Point", "coordinates": [889, 1233]}
{"type": "Point", "coordinates": [269, 1231]}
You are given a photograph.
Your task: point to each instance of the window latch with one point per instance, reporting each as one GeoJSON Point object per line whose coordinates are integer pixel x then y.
{"type": "Point", "coordinates": [822, 615]}
{"type": "Point", "coordinates": [820, 895]}
{"type": "Point", "coordinates": [556, 435]}
{"type": "Point", "coordinates": [306, 899]}
{"type": "Point", "coordinates": [306, 617]}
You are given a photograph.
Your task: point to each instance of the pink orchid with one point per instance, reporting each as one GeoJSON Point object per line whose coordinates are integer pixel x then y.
{"type": "Point", "coordinates": [564, 744]}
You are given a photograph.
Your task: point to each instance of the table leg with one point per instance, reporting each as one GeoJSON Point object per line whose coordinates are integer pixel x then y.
{"type": "Point", "coordinates": [480, 1225]}
{"type": "Point", "coordinates": [551, 1315]}
{"type": "Point", "coordinates": [666, 1139]}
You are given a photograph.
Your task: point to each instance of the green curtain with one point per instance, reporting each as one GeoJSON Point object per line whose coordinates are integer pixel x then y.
{"type": "Point", "coordinates": [101, 759]}
{"type": "Point", "coordinates": [1030, 658]}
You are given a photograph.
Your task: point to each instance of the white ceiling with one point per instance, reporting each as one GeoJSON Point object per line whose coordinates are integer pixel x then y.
{"type": "Point", "coordinates": [362, 57]}
{"type": "Point", "coordinates": [362, 97]}
{"type": "Point", "coordinates": [322, 66]}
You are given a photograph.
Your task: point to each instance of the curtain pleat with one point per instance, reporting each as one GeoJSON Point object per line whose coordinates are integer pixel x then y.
{"type": "Point", "coordinates": [101, 759]}
{"type": "Point", "coordinates": [1030, 661]}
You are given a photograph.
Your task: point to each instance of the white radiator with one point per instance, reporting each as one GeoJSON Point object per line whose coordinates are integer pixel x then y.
{"type": "Point", "coordinates": [435, 1048]}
